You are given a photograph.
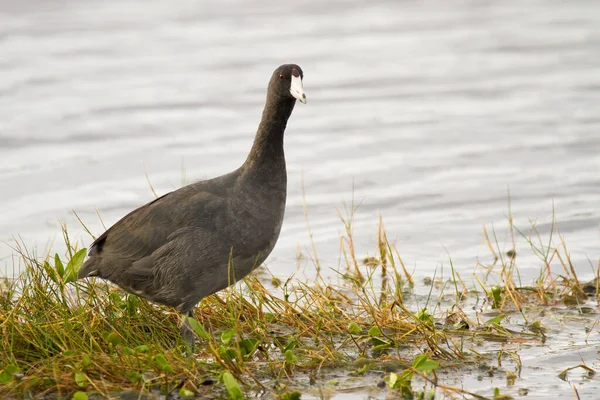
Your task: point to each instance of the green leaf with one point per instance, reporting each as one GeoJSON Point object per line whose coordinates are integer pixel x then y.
{"type": "Point", "coordinates": [80, 396]}
{"type": "Point", "coordinates": [291, 345]}
{"type": "Point", "coordinates": [80, 379]}
{"type": "Point", "coordinates": [232, 386]}
{"type": "Point", "coordinates": [116, 298]}
{"type": "Point", "coordinates": [496, 320]}
{"type": "Point", "coordinates": [422, 363]}
{"type": "Point", "coordinates": [424, 316]}
{"type": "Point", "coordinates": [290, 358]}
{"type": "Point", "coordinates": [393, 378]}
{"type": "Point", "coordinates": [113, 339]}
{"type": "Point", "coordinates": [161, 360]}
{"type": "Point", "coordinates": [379, 342]}
{"type": "Point", "coordinates": [354, 329]}
{"type": "Point", "coordinates": [134, 376]}
{"type": "Point", "coordinates": [227, 353]}
{"type": "Point", "coordinates": [162, 363]}
{"type": "Point", "coordinates": [401, 381]}
{"type": "Point", "coordinates": [7, 374]}
{"type": "Point", "coordinates": [418, 360]}
{"type": "Point", "coordinates": [168, 369]}
{"type": "Point", "coordinates": [361, 371]}
{"type": "Point", "coordinates": [428, 365]}
{"type": "Point", "coordinates": [227, 336]}
{"type": "Point", "coordinates": [198, 328]}
{"type": "Point", "coordinates": [142, 349]}
{"type": "Point", "coordinates": [185, 393]}
{"type": "Point", "coordinates": [291, 396]}
{"type": "Point", "coordinates": [248, 347]}
{"type": "Point", "coordinates": [496, 296]}
{"type": "Point", "coordinates": [50, 271]}
{"type": "Point", "coordinates": [406, 375]}
{"type": "Point", "coordinates": [11, 369]}
{"type": "Point", "coordinates": [380, 347]}
{"type": "Point", "coordinates": [374, 331]}
{"type": "Point", "coordinates": [74, 265]}
{"type": "Point", "coordinates": [5, 378]}
{"type": "Point", "coordinates": [132, 303]}
{"type": "Point", "coordinates": [85, 360]}
{"type": "Point", "coordinates": [58, 266]}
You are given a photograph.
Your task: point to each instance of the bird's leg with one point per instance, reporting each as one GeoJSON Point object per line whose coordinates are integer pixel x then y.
{"type": "Point", "coordinates": [187, 332]}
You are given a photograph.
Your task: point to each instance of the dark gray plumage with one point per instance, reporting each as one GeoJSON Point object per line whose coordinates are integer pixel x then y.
{"type": "Point", "coordinates": [176, 249]}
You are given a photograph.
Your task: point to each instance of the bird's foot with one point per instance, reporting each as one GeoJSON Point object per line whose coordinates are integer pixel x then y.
{"type": "Point", "coordinates": [187, 333]}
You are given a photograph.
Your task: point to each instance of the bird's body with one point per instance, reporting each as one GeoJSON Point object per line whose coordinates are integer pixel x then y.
{"type": "Point", "coordinates": [203, 237]}
{"type": "Point", "coordinates": [178, 256]}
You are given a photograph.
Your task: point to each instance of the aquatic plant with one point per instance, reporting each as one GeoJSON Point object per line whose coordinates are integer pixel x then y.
{"type": "Point", "coordinates": [72, 339]}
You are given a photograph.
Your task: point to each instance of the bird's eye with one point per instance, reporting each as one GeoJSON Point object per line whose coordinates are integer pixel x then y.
{"type": "Point", "coordinates": [281, 77]}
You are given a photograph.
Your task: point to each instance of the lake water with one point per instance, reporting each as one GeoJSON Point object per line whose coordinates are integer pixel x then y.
{"type": "Point", "coordinates": [426, 112]}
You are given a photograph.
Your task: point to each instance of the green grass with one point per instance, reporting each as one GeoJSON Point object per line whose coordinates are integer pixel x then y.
{"type": "Point", "coordinates": [72, 338]}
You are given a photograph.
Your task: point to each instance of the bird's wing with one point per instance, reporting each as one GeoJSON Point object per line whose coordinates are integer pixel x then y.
{"type": "Point", "coordinates": [182, 271]}
{"type": "Point", "coordinates": [119, 229]}
{"type": "Point", "coordinates": [146, 229]}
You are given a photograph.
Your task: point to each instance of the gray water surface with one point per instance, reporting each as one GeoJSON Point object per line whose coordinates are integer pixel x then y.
{"type": "Point", "coordinates": [425, 112]}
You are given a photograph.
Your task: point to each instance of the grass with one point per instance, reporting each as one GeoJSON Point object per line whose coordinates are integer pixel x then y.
{"type": "Point", "coordinates": [79, 339]}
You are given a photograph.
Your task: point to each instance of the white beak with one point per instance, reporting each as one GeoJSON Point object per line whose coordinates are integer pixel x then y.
{"type": "Point", "coordinates": [297, 90]}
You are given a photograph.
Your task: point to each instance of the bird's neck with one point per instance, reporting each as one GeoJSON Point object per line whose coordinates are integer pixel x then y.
{"type": "Point", "coordinates": [267, 151]}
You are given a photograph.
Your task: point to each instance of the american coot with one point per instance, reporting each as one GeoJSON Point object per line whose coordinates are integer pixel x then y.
{"type": "Point", "coordinates": [201, 238]}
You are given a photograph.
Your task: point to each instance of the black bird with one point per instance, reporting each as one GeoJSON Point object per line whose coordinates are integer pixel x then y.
{"type": "Point", "coordinates": [201, 238]}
